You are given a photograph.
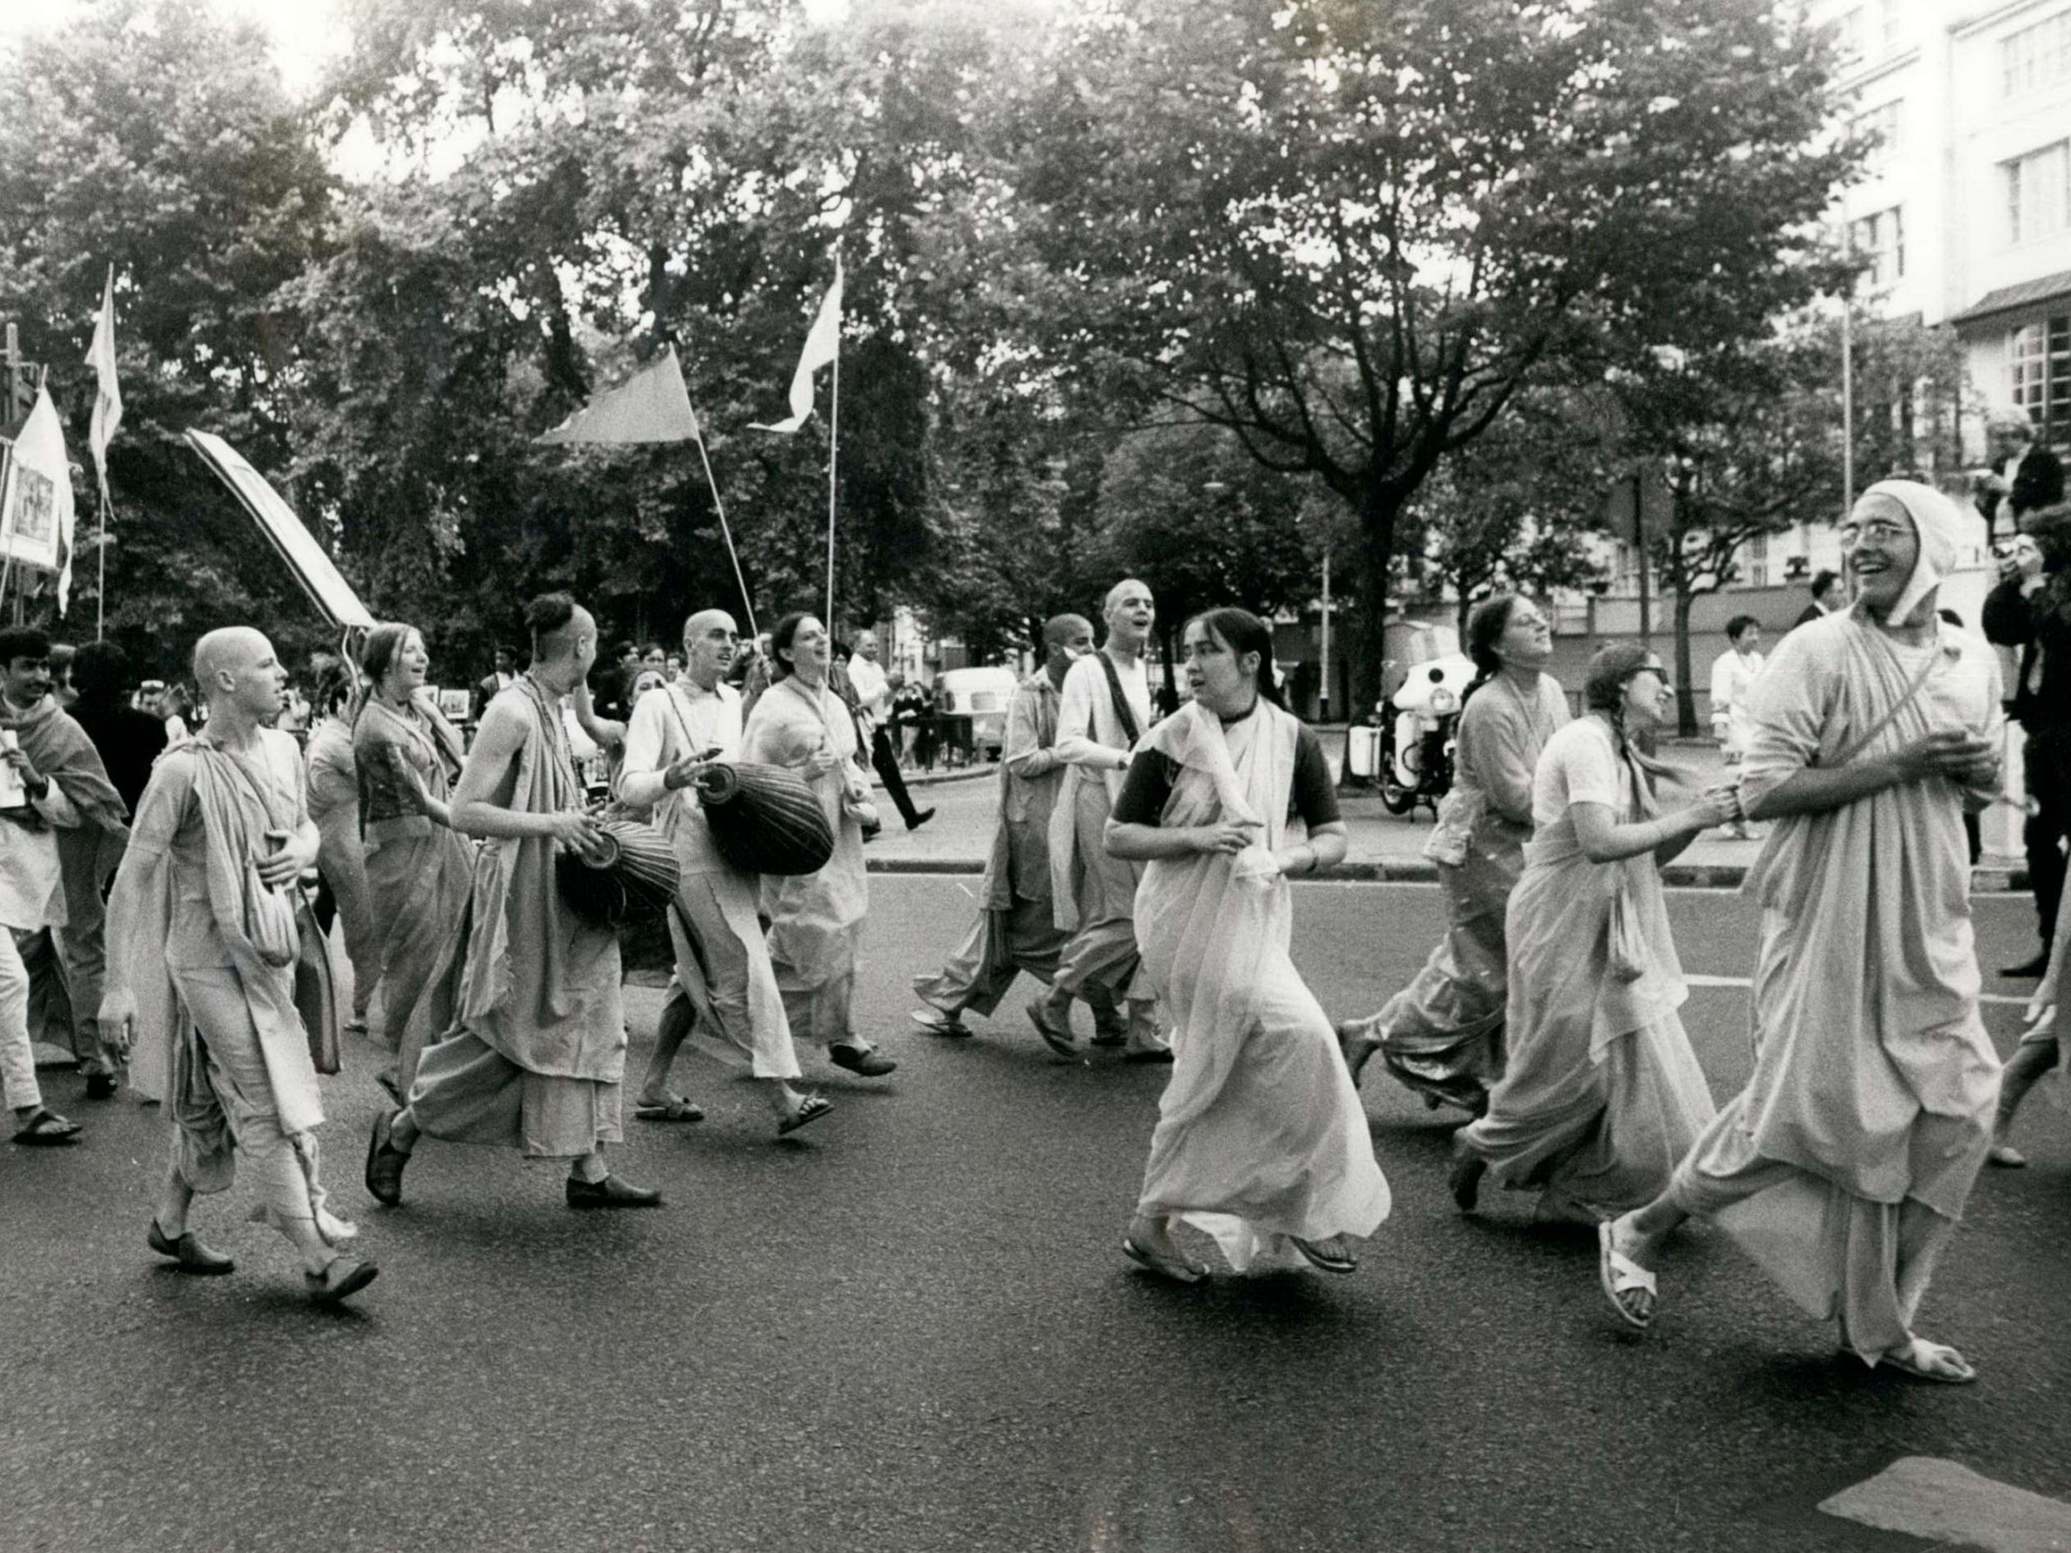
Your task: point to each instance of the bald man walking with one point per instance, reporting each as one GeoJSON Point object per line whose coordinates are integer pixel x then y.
{"type": "Point", "coordinates": [1105, 707]}
{"type": "Point", "coordinates": [202, 940]}
{"type": "Point", "coordinates": [1016, 929]}
{"type": "Point", "coordinates": [722, 961]}
{"type": "Point", "coordinates": [538, 1057]}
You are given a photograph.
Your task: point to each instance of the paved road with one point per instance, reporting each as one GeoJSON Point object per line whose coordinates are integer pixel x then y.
{"type": "Point", "coordinates": [914, 1331]}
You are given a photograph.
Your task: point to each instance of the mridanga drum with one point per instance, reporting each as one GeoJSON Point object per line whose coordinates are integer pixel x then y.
{"type": "Point", "coordinates": [764, 819]}
{"type": "Point", "coordinates": [638, 879]}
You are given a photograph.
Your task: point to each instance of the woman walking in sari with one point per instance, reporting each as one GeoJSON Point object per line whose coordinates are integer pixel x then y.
{"type": "Point", "coordinates": [420, 871]}
{"type": "Point", "coordinates": [816, 920]}
{"type": "Point", "coordinates": [1442, 1035]}
{"type": "Point", "coordinates": [1602, 1094]}
{"type": "Point", "coordinates": [1261, 1140]}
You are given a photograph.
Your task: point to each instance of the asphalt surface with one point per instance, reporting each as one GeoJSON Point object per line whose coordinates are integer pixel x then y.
{"type": "Point", "coordinates": [911, 1328]}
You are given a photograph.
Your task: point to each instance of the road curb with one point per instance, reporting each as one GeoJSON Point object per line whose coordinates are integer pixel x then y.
{"type": "Point", "coordinates": [1677, 876]}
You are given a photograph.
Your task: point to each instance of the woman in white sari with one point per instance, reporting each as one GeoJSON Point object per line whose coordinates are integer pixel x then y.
{"type": "Point", "coordinates": [816, 920]}
{"type": "Point", "coordinates": [1261, 1140]}
{"type": "Point", "coordinates": [1602, 1094]}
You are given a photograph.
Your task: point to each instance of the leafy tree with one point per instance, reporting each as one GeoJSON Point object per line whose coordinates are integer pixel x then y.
{"type": "Point", "coordinates": [1349, 233]}
{"type": "Point", "coordinates": [153, 136]}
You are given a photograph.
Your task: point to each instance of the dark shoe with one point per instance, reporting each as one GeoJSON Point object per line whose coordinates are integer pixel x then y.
{"type": "Point", "coordinates": [1465, 1180]}
{"type": "Point", "coordinates": [867, 1061]}
{"type": "Point", "coordinates": [100, 1086]}
{"type": "Point", "coordinates": [1149, 1054]}
{"type": "Point", "coordinates": [2027, 970]}
{"type": "Point", "coordinates": [193, 1257]}
{"type": "Point", "coordinates": [342, 1277]}
{"type": "Point", "coordinates": [920, 818]}
{"type": "Point", "coordinates": [610, 1192]}
{"type": "Point", "coordinates": [385, 1162]}
{"type": "Point", "coordinates": [1056, 1035]}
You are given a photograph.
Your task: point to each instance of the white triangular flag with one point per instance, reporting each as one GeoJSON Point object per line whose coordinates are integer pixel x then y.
{"type": "Point", "coordinates": [822, 344]}
{"type": "Point", "coordinates": [107, 402]}
{"type": "Point", "coordinates": [653, 405]}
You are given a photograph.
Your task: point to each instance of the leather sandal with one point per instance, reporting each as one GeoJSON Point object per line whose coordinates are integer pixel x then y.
{"type": "Point", "coordinates": [610, 1192]}
{"type": "Point", "coordinates": [47, 1130]}
{"type": "Point", "coordinates": [342, 1277]}
{"type": "Point", "coordinates": [385, 1162]}
{"type": "Point", "coordinates": [810, 1109]}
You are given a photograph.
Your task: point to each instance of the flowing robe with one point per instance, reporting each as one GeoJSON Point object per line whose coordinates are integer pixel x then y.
{"type": "Point", "coordinates": [538, 1052]}
{"type": "Point", "coordinates": [722, 960]}
{"type": "Point", "coordinates": [420, 875]}
{"type": "Point", "coordinates": [1016, 929]}
{"type": "Point", "coordinates": [1844, 1165]}
{"type": "Point", "coordinates": [815, 920]}
{"type": "Point", "coordinates": [1442, 1035]}
{"type": "Point", "coordinates": [1260, 1134]}
{"type": "Point", "coordinates": [1603, 1094]}
{"type": "Point", "coordinates": [1093, 894]}
{"type": "Point", "coordinates": [334, 804]}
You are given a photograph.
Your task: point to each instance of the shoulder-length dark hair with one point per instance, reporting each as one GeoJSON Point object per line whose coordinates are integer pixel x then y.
{"type": "Point", "coordinates": [1241, 631]}
{"type": "Point", "coordinates": [780, 641]}
{"type": "Point", "coordinates": [1485, 627]}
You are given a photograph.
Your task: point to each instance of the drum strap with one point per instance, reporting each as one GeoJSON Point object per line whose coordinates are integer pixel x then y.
{"type": "Point", "coordinates": [1123, 715]}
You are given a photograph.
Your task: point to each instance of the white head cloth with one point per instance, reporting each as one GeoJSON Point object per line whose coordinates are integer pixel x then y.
{"type": "Point", "coordinates": [1937, 522]}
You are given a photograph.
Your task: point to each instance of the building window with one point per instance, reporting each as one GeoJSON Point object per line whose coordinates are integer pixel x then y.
{"type": "Point", "coordinates": [2038, 55]}
{"type": "Point", "coordinates": [1884, 124]}
{"type": "Point", "coordinates": [1758, 561]}
{"type": "Point", "coordinates": [2038, 192]}
{"type": "Point", "coordinates": [2039, 376]}
{"type": "Point", "coordinates": [1883, 238]}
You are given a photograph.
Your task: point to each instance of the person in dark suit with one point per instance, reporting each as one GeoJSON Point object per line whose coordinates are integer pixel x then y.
{"type": "Point", "coordinates": [1828, 595]}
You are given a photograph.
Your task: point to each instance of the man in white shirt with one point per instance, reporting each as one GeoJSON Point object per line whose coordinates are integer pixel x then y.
{"type": "Point", "coordinates": [874, 701]}
{"type": "Point", "coordinates": [1105, 708]}
{"type": "Point", "coordinates": [32, 895]}
{"type": "Point", "coordinates": [1733, 675]}
{"type": "Point", "coordinates": [722, 962]}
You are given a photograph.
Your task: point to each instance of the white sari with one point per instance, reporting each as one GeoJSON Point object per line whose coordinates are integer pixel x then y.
{"type": "Point", "coordinates": [1260, 1133]}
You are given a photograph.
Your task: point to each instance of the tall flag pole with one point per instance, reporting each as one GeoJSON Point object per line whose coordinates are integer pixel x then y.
{"type": "Point", "coordinates": [653, 405]}
{"type": "Point", "coordinates": [107, 415]}
{"type": "Point", "coordinates": [822, 349]}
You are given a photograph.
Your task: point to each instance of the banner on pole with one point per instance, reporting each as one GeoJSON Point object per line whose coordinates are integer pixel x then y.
{"type": "Point", "coordinates": [822, 346]}
{"type": "Point", "coordinates": [320, 579]}
{"type": "Point", "coordinates": [653, 405]}
{"type": "Point", "coordinates": [107, 402]}
{"type": "Point", "coordinates": [36, 502]}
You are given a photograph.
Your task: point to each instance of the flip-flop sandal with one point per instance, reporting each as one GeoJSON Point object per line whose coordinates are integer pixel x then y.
{"type": "Point", "coordinates": [1324, 1260]}
{"type": "Point", "coordinates": [1357, 1050]}
{"type": "Point", "coordinates": [47, 1130]}
{"type": "Point", "coordinates": [1059, 1041]}
{"type": "Point", "coordinates": [671, 1108]}
{"type": "Point", "coordinates": [1906, 1361]}
{"type": "Point", "coordinates": [935, 1022]}
{"type": "Point", "coordinates": [810, 1109]}
{"type": "Point", "coordinates": [1177, 1269]}
{"type": "Point", "coordinates": [1620, 1274]}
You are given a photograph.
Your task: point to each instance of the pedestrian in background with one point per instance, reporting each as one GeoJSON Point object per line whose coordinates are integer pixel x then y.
{"type": "Point", "coordinates": [1733, 675]}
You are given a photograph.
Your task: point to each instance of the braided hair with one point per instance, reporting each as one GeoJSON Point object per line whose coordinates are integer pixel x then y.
{"type": "Point", "coordinates": [1611, 669]}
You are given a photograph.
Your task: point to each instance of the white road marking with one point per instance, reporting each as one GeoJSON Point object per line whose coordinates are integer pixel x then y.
{"type": "Point", "coordinates": [1945, 1502]}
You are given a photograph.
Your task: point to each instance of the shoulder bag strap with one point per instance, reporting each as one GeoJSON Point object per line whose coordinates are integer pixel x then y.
{"type": "Point", "coordinates": [1123, 715]}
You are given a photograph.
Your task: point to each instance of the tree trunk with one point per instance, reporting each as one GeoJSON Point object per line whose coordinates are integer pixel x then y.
{"type": "Point", "coordinates": [1378, 510]}
{"type": "Point", "coordinates": [1686, 691]}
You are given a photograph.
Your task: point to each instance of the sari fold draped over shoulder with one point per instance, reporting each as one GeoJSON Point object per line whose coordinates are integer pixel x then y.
{"type": "Point", "coordinates": [1845, 1163]}
{"type": "Point", "coordinates": [1260, 1134]}
{"type": "Point", "coordinates": [420, 877]}
{"type": "Point", "coordinates": [815, 920]}
{"type": "Point", "coordinates": [1602, 1095]}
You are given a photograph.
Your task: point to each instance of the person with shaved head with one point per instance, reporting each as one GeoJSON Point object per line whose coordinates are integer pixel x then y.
{"type": "Point", "coordinates": [1016, 929]}
{"type": "Point", "coordinates": [203, 937]}
{"type": "Point", "coordinates": [1104, 708]}
{"type": "Point", "coordinates": [725, 997]}
{"type": "Point", "coordinates": [538, 1050]}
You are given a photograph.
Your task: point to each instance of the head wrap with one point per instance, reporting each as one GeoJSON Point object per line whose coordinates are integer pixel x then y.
{"type": "Point", "coordinates": [1937, 523]}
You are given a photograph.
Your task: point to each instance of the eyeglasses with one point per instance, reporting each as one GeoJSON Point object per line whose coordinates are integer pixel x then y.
{"type": "Point", "coordinates": [1878, 531]}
